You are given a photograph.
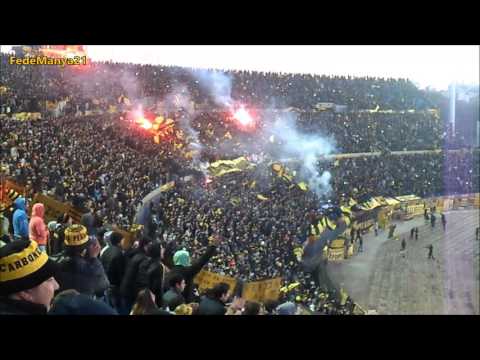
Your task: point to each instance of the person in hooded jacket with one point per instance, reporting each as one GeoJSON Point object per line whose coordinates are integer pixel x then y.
{"type": "Point", "coordinates": [182, 266]}
{"type": "Point", "coordinates": [37, 229]}
{"type": "Point", "coordinates": [20, 220]}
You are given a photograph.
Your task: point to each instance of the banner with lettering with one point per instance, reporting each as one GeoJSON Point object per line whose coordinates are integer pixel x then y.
{"type": "Point", "coordinates": [207, 280]}
{"type": "Point", "coordinates": [262, 291]}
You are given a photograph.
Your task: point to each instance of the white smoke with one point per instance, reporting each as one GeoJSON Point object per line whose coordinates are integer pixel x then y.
{"type": "Point", "coordinates": [129, 83]}
{"type": "Point", "coordinates": [305, 149]}
{"type": "Point", "coordinates": [180, 100]}
{"type": "Point", "coordinates": [218, 84]}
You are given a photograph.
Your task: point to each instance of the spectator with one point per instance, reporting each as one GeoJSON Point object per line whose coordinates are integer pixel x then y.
{"type": "Point", "coordinates": [88, 220]}
{"type": "Point", "coordinates": [129, 288]}
{"type": "Point", "coordinates": [30, 289]}
{"type": "Point", "coordinates": [152, 272]}
{"type": "Point", "coordinates": [37, 229]}
{"type": "Point", "coordinates": [213, 303]}
{"type": "Point", "coordinates": [20, 220]}
{"type": "Point", "coordinates": [173, 297]}
{"type": "Point", "coordinates": [144, 304]}
{"type": "Point", "coordinates": [71, 302]}
{"type": "Point", "coordinates": [80, 268]}
{"type": "Point", "coordinates": [188, 271]}
{"type": "Point", "coordinates": [4, 225]}
{"type": "Point", "coordinates": [252, 308]}
{"type": "Point", "coordinates": [113, 262]}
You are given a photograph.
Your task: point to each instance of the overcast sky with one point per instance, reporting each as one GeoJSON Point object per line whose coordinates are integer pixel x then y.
{"type": "Point", "coordinates": [434, 66]}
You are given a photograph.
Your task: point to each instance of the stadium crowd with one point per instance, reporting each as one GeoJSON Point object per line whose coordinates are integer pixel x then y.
{"type": "Point", "coordinates": [105, 165]}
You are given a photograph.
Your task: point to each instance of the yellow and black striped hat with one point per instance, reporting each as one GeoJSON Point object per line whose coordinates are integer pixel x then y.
{"type": "Point", "coordinates": [12, 195]}
{"type": "Point", "coordinates": [76, 235]}
{"type": "Point", "coordinates": [23, 266]}
{"type": "Point", "coordinates": [3, 207]}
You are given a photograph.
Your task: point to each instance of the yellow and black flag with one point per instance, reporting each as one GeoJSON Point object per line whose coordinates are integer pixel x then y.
{"type": "Point", "coordinates": [282, 172]}
{"type": "Point", "coordinates": [303, 186]}
{"type": "Point", "coordinates": [168, 186]}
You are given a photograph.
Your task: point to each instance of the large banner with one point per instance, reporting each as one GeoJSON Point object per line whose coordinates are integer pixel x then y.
{"type": "Point", "coordinates": [207, 279]}
{"type": "Point", "coordinates": [24, 116]}
{"type": "Point", "coordinates": [254, 291]}
{"type": "Point", "coordinates": [336, 250]}
{"type": "Point", "coordinates": [415, 210]}
{"type": "Point", "coordinates": [262, 291]}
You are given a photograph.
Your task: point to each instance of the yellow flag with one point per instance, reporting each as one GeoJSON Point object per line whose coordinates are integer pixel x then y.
{"type": "Point", "coordinates": [320, 227]}
{"type": "Point", "coordinates": [261, 197]}
{"type": "Point", "coordinates": [293, 286]}
{"type": "Point", "coordinates": [168, 186]}
{"type": "Point", "coordinates": [346, 210]}
{"type": "Point", "coordinates": [222, 167]}
{"type": "Point", "coordinates": [330, 224]}
{"type": "Point", "coordinates": [235, 201]}
{"type": "Point", "coordinates": [303, 186]}
{"type": "Point", "coordinates": [253, 184]}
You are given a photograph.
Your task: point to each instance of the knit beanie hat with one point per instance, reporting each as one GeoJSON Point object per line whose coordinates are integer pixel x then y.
{"type": "Point", "coordinates": [76, 235]}
{"type": "Point", "coordinates": [23, 266]}
{"type": "Point", "coordinates": [12, 195]}
{"type": "Point", "coordinates": [181, 257]}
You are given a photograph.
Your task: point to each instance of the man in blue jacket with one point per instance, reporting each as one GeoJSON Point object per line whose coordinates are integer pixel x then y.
{"type": "Point", "coordinates": [20, 220]}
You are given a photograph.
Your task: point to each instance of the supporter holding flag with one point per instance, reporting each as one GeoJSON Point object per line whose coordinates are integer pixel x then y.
{"type": "Point", "coordinates": [182, 265]}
